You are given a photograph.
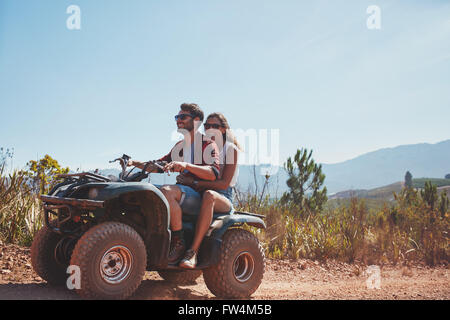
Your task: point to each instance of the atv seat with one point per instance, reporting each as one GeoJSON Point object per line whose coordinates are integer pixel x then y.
{"type": "Point", "coordinates": [190, 221]}
{"type": "Point", "coordinates": [193, 218]}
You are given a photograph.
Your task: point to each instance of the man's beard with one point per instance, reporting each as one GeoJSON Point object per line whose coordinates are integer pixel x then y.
{"type": "Point", "coordinates": [189, 126]}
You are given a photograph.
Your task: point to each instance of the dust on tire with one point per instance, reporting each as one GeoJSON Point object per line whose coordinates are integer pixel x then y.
{"type": "Point", "coordinates": [220, 279]}
{"type": "Point", "coordinates": [90, 250]}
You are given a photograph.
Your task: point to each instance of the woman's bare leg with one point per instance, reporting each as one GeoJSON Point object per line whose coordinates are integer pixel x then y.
{"type": "Point", "coordinates": [212, 201]}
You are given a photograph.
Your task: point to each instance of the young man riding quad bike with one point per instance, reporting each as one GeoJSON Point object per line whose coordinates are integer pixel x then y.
{"type": "Point", "coordinates": [114, 230]}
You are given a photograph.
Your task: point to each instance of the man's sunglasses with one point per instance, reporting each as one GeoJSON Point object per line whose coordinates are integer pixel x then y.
{"type": "Point", "coordinates": [183, 116]}
{"type": "Point", "coordinates": [212, 125]}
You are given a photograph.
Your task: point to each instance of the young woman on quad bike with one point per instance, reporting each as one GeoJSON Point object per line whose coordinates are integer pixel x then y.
{"type": "Point", "coordinates": [218, 194]}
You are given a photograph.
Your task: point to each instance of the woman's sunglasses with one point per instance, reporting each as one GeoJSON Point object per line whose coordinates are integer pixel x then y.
{"type": "Point", "coordinates": [212, 125]}
{"type": "Point", "coordinates": [183, 116]}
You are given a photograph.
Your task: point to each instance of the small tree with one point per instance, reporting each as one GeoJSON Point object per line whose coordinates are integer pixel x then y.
{"type": "Point", "coordinates": [305, 182]}
{"type": "Point", "coordinates": [408, 180]}
{"type": "Point", "coordinates": [43, 173]}
{"type": "Point", "coordinates": [429, 194]}
{"type": "Point", "coordinates": [447, 176]}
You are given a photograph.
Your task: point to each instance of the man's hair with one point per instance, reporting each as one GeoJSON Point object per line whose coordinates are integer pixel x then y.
{"type": "Point", "coordinates": [193, 109]}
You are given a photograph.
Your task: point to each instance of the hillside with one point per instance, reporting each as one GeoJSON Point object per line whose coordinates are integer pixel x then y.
{"type": "Point", "coordinates": [385, 193]}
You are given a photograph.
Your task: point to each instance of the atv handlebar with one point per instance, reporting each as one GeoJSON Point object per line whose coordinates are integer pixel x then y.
{"type": "Point", "coordinates": [138, 176]}
{"type": "Point", "coordinates": [123, 163]}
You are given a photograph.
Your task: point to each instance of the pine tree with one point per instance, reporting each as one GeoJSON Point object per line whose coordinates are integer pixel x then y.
{"type": "Point", "coordinates": [305, 182]}
{"type": "Point", "coordinates": [408, 180]}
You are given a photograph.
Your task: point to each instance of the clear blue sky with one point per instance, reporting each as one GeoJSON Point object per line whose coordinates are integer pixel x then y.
{"type": "Point", "coordinates": [311, 69]}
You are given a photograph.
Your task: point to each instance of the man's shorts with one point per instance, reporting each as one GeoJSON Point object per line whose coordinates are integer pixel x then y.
{"type": "Point", "coordinates": [191, 200]}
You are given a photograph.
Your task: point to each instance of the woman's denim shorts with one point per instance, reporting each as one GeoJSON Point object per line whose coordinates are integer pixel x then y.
{"type": "Point", "coordinates": [227, 193]}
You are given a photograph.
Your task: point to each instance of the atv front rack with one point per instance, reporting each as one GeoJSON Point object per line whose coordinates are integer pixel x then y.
{"type": "Point", "coordinates": [86, 175]}
{"type": "Point", "coordinates": [80, 203]}
{"type": "Point", "coordinates": [69, 209]}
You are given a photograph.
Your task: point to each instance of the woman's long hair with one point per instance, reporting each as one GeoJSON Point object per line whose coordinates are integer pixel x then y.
{"type": "Point", "coordinates": [228, 136]}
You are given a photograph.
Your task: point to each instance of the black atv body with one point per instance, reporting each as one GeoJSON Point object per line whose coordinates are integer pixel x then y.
{"type": "Point", "coordinates": [77, 209]}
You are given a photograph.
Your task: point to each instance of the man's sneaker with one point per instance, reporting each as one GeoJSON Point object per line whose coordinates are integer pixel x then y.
{"type": "Point", "coordinates": [190, 260]}
{"type": "Point", "coordinates": [176, 250]}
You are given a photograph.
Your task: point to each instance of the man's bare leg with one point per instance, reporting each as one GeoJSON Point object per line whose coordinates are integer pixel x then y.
{"type": "Point", "coordinates": [177, 245]}
{"type": "Point", "coordinates": [173, 196]}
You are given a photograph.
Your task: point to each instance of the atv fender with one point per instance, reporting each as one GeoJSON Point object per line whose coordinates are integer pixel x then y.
{"type": "Point", "coordinates": [209, 253]}
{"type": "Point", "coordinates": [221, 224]}
{"type": "Point", "coordinates": [154, 207]}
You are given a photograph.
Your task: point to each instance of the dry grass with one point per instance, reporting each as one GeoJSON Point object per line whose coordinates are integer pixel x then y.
{"type": "Point", "coordinates": [20, 209]}
{"type": "Point", "coordinates": [407, 231]}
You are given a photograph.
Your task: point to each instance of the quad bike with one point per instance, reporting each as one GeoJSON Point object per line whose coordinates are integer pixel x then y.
{"type": "Point", "coordinates": [114, 229]}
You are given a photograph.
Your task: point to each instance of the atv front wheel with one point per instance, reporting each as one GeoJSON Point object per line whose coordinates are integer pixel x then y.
{"type": "Point", "coordinates": [112, 261]}
{"type": "Point", "coordinates": [241, 268]}
{"type": "Point", "coordinates": [43, 257]}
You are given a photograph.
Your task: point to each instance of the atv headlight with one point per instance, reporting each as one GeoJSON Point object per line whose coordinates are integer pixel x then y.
{"type": "Point", "coordinates": [93, 193]}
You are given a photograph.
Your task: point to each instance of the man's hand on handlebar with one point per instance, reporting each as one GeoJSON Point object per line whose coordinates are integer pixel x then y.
{"type": "Point", "coordinates": [149, 166]}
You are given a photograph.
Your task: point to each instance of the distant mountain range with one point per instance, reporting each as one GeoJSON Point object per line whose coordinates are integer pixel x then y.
{"type": "Point", "coordinates": [389, 165]}
{"type": "Point", "coordinates": [374, 169]}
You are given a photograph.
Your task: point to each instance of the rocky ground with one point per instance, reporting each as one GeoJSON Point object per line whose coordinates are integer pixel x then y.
{"type": "Point", "coordinates": [283, 280]}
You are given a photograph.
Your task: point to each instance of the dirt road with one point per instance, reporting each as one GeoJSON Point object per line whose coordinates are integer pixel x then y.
{"type": "Point", "coordinates": [283, 280]}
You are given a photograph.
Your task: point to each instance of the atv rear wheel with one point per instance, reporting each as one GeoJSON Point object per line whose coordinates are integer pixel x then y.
{"type": "Point", "coordinates": [43, 257]}
{"type": "Point", "coordinates": [112, 259]}
{"type": "Point", "coordinates": [180, 277]}
{"type": "Point", "coordinates": [241, 268]}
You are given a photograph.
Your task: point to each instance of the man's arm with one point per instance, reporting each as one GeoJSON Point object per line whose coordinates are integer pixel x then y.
{"type": "Point", "coordinates": [150, 169]}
